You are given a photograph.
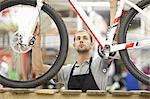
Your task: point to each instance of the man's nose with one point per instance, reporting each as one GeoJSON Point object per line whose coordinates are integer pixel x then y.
{"type": "Point", "coordinates": [81, 41]}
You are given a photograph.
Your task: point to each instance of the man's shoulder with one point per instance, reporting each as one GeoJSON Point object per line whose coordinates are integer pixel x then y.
{"type": "Point", "coordinates": [67, 67]}
{"type": "Point", "coordinates": [96, 63]}
{"type": "Point", "coordinates": [96, 59]}
{"type": "Point", "coordinates": [65, 70]}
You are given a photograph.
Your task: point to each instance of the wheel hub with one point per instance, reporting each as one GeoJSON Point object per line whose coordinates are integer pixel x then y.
{"type": "Point", "coordinates": [16, 44]}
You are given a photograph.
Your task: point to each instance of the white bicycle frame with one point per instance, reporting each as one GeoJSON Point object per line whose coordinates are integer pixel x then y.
{"type": "Point", "coordinates": [110, 35]}
{"type": "Point", "coordinates": [29, 32]}
{"type": "Point", "coordinates": [101, 41]}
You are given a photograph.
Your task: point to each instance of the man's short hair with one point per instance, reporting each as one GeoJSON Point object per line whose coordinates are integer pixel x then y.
{"type": "Point", "coordinates": [82, 30]}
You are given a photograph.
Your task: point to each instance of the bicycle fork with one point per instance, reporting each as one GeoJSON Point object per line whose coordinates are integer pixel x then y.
{"type": "Point", "coordinates": [28, 35]}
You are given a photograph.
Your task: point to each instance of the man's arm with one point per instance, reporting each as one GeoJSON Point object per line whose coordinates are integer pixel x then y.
{"type": "Point", "coordinates": [37, 62]}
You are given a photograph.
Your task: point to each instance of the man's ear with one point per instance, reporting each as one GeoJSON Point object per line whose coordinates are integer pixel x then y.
{"type": "Point", "coordinates": [73, 44]}
{"type": "Point", "coordinates": [92, 45]}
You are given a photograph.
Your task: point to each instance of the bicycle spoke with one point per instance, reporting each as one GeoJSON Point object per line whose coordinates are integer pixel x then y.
{"type": "Point", "coordinates": [21, 60]}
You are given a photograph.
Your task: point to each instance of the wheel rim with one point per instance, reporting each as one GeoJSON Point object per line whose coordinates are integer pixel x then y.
{"type": "Point", "coordinates": [135, 58]}
{"type": "Point", "coordinates": [52, 48]}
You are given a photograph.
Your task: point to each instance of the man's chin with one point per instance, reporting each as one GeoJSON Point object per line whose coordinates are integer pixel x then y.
{"type": "Point", "coordinates": [82, 50]}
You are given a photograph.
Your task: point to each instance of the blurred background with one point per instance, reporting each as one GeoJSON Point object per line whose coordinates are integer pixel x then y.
{"type": "Point", "coordinates": [19, 66]}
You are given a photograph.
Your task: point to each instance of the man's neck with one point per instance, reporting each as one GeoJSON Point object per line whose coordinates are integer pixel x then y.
{"type": "Point", "coordinates": [82, 57]}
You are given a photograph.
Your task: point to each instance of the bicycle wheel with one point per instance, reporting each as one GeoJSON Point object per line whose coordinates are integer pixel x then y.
{"type": "Point", "coordinates": [47, 53]}
{"type": "Point", "coordinates": [135, 28]}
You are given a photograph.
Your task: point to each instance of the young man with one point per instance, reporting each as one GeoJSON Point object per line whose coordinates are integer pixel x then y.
{"type": "Point", "coordinates": [85, 73]}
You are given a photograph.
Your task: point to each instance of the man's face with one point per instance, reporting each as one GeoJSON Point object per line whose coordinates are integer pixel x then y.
{"type": "Point", "coordinates": [82, 42]}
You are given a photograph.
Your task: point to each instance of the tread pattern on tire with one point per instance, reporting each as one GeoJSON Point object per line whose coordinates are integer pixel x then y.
{"type": "Point", "coordinates": [63, 46]}
{"type": "Point", "coordinates": [122, 39]}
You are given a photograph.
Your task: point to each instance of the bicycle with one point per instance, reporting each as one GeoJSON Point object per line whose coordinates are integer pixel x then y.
{"type": "Point", "coordinates": [24, 40]}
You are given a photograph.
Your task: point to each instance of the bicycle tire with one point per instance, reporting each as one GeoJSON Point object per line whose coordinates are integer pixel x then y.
{"type": "Point", "coordinates": [122, 36]}
{"type": "Point", "coordinates": [63, 46]}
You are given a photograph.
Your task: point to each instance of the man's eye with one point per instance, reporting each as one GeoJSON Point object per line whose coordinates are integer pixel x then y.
{"type": "Point", "coordinates": [78, 38]}
{"type": "Point", "coordinates": [85, 38]}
